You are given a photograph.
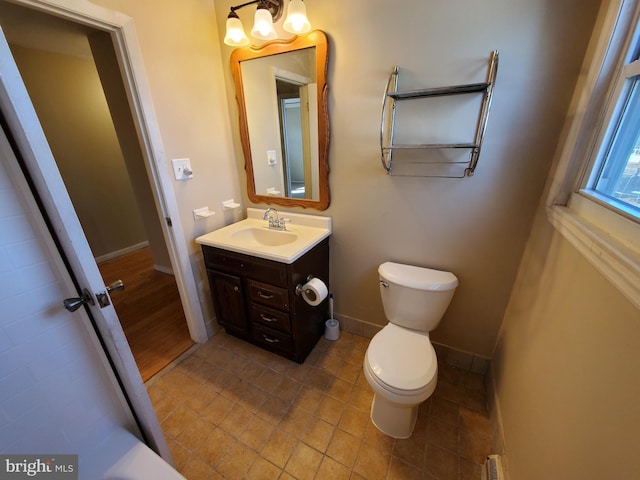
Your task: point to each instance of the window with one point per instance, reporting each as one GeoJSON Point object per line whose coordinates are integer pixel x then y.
{"type": "Point", "coordinates": [594, 199]}
{"type": "Point", "coordinates": [615, 176]}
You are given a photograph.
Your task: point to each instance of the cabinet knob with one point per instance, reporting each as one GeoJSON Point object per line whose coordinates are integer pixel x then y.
{"type": "Point", "coordinates": [236, 288]}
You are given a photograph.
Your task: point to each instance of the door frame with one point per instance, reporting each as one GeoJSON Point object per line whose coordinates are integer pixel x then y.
{"type": "Point", "coordinates": [122, 31]}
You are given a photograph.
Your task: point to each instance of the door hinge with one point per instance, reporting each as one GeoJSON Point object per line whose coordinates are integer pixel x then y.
{"type": "Point", "coordinates": [168, 219]}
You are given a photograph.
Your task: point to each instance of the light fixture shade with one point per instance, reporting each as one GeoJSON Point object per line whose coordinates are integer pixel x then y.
{"type": "Point", "coordinates": [263, 25]}
{"type": "Point", "coordinates": [297, 21]}
{"type": "Point", "coordinates": [235, 36]}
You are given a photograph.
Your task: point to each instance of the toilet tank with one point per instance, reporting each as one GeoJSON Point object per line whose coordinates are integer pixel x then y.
{"type": "Point", "coordinates": [415, 297]}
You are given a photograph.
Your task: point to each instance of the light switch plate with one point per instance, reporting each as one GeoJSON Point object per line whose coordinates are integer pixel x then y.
{"type": "Point", "coordinates": [182, 168]}
{"type": "Point", "coordinates": [271, 157]}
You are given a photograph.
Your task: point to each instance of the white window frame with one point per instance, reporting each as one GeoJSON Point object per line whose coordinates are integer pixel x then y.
{"type": "Point", "coordinates": [607, 237]}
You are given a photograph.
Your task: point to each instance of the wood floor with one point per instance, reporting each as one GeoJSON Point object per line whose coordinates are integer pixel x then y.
{"type": "Point", "coordinates": [149, 309]}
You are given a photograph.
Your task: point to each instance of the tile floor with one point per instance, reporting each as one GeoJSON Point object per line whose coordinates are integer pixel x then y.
{"type": "Point", "coordinates": [231, 410]}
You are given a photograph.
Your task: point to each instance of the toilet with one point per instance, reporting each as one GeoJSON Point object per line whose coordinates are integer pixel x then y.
{"type": "Point", "coordinates": [400, 363]}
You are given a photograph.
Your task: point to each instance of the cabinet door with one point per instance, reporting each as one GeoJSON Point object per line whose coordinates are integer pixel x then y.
{"type": "Point", "coordinates": [228, 300]}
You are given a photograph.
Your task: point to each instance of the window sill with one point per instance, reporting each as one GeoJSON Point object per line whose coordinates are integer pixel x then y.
{"type": "Point", "coordinates": [619, 263]}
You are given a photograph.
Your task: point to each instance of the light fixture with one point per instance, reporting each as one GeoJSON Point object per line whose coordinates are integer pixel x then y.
{"type": "Point", "coordinates": [297, 21]}
{"type": "Point", "coordinates": [268, 11]}
{"type": "Point", "coordinates": [263, 24]}
{"type": "Point", "coordinates": [235, 33]}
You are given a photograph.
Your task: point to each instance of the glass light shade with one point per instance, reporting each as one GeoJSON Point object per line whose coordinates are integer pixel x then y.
{"type": "Point", "coordinates": [263, 25]}
{"type": "Point", "coordinates": [235, 36]}
{"type": "Point", "coordinates": [297, 21]}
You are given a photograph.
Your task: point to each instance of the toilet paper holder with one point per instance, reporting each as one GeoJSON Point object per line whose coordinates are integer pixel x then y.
{"type": "Point", "coordinates": [300, 285]}
{"type": "Point", "coordinates": [314, 291]}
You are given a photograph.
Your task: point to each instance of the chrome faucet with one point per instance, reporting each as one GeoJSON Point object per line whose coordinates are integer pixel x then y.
{"type": "Point", "coordinates": [275, 223]}
{"type": "Point", "coordinates": [271, 214]}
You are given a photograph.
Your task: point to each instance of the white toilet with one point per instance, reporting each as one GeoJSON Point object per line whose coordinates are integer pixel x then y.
{"type": "Point", "coordinates": [400, 363]}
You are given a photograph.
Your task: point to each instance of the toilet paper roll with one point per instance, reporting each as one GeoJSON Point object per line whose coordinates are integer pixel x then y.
{"type": "Point", "coordinates": [314, 292]}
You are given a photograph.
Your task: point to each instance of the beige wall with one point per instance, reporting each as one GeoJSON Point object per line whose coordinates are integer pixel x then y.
{"type": "Point", "coordinates": [68, 97]}
{"type": "Point", "coordinates": [566, 368]}
{"type": "Point", "coordinates": [181, 56]}
{"type": "Point", "coordinates": [475, 227]}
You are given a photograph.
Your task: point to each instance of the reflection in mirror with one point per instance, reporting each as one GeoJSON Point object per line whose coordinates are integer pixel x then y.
{"type": "Point", "coordinates": [284, 126]}
{"type": "Point", "coordinates": [294, 140]}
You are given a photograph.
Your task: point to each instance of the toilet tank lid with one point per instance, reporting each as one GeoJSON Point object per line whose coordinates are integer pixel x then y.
{"type": "Point", "coordinates": [417, 277]}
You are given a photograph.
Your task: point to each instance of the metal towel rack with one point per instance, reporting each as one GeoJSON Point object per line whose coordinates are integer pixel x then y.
{"type": "Point", "coordinates": [450, 169]}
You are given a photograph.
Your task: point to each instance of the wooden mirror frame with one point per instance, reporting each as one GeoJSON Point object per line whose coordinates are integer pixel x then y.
{"type": "Point", "coordinates": [317, 39]}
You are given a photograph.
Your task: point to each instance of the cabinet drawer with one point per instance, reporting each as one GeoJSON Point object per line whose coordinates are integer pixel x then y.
{"type": "Point", "coordinates": [250, 267]}
{"type": "Point", "coordinates": [270, 317]}
{"type": "Point", "coordinates": [268, 295]}
{"type": "Point", "coordinates": [272, 339]}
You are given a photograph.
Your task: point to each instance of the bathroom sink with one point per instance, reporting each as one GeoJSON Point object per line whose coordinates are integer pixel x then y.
{"type": "Point", "coordinates": [263, 236]}
{"type": "Point", "coordinates": [252, 236]}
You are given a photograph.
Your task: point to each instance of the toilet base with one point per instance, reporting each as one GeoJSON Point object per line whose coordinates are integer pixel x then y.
{"type": "Point", "coordinates": [393, 419]}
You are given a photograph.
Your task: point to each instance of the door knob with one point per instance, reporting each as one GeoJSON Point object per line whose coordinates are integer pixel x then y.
{"type": "Point", "coordinates": [74, 303]}
{"type": "Point", "coordinates": [117, 285]}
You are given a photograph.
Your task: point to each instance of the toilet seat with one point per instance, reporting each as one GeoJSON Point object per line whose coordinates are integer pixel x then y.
{"type": "Point", "coordinates": [402, 361]}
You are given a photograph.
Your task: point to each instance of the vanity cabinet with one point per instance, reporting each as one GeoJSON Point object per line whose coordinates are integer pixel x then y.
{"type": "Point", "coordinates": [255, 299]}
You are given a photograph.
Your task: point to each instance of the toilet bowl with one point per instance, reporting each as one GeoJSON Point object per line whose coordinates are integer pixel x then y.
{"type": "Point", "coordinates": [400, 364]}
{"type": "Point", "coordinates": [401, 368]}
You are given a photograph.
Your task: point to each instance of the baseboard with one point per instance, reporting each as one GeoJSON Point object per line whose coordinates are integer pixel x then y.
{"type": "Point", "coordinates": [357, 327]}
{"type": "Point", "coordinates": [163, 269]}
{"type": "Point", "coordinates": [495, 416]}
{"type": "Point", "coordinates": [122, 251]}
{"type": "Point", "coordinates": [467, 361]}
{"type": "Point", "coordinates": [448, 355]}
{"type": "Point", "coordinates": [212, 327]}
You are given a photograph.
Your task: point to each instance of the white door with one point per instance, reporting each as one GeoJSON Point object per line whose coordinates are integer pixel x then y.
{"type": "Point", "coordinates": [58, 392]}
{"type": "Point", "coordinates": [45, 178]}
{"type": "Point", "coordinates": [59, 395]}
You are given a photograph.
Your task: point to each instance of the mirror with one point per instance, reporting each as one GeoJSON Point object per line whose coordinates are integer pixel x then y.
{"type": "Point", "coordinates": [281, 90]}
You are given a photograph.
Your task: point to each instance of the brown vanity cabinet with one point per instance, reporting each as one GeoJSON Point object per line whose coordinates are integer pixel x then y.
{"type": "Point", "coordinates": [255, 299]}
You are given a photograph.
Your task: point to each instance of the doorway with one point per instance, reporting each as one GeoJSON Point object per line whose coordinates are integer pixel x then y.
{"type": "Point", "coordinates": [105, 178]}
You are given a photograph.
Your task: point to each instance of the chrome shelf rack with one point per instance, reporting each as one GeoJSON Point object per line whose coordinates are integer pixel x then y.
{"type": "Point", "coordinates": [387, 124]}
